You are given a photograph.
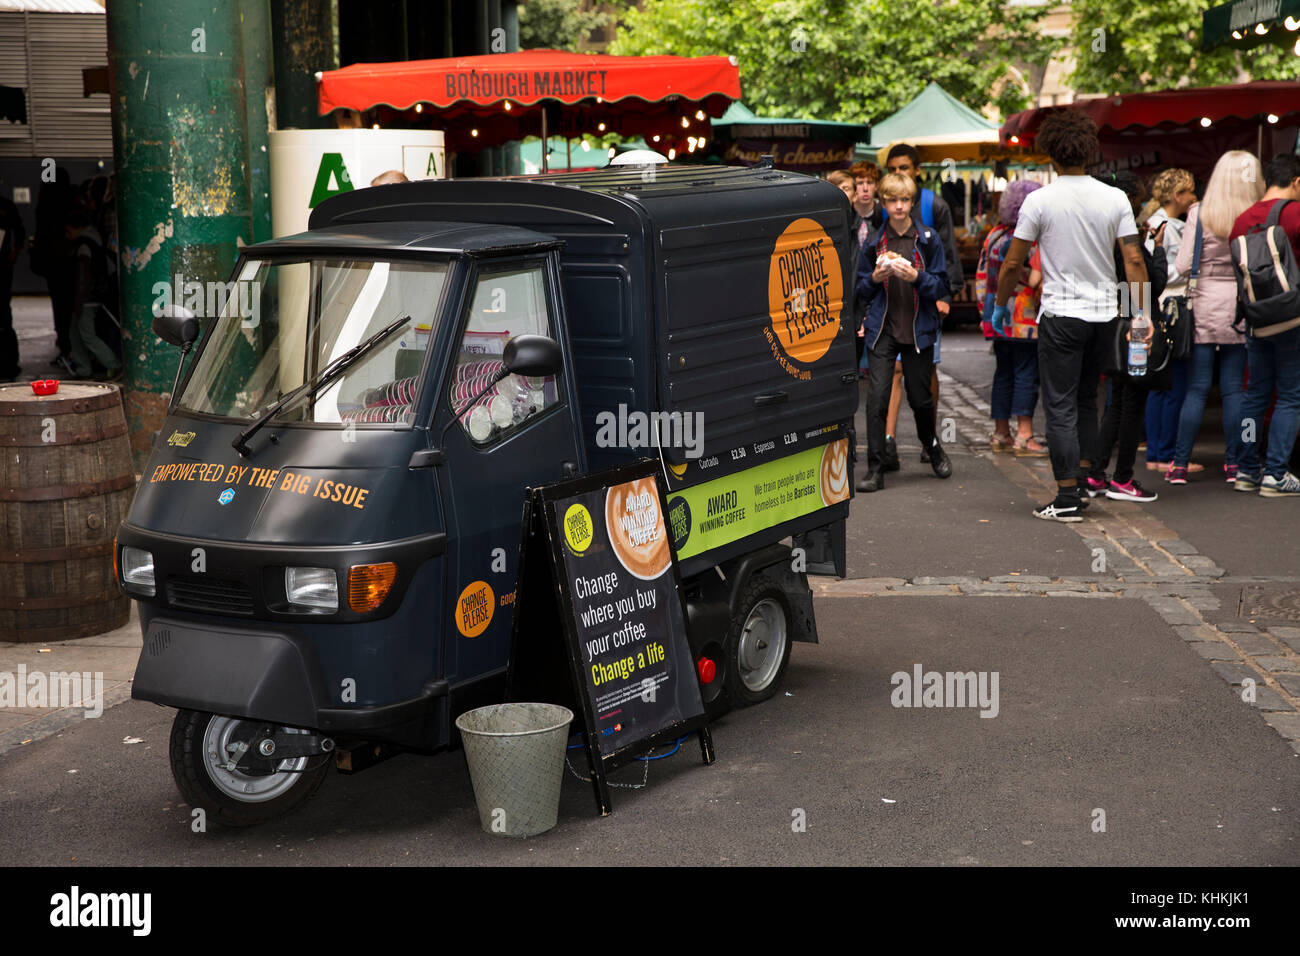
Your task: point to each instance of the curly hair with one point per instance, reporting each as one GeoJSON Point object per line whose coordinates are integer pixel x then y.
{"type": "Point", "coordinates": [1164, 186]}
{"type": "Point", "coordinates": [1069, 137]}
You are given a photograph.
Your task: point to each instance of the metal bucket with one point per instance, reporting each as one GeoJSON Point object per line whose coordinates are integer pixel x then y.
{"type": "Point", "coordinates": [516, 764]}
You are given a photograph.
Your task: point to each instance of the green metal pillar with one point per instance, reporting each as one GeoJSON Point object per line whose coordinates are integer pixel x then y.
{"type": "Point", "coordinates": [302, 34]}
{"type": "Point", "coordinates": [259, 109]}
{"type": "Point", "coordinates": [189, 82]}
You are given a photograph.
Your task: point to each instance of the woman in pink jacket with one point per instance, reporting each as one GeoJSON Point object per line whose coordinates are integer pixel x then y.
{"type": "Point", "coordinates": [1234, 186]}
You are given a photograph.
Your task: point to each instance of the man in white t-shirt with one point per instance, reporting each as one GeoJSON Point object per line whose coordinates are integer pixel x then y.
{"type": "Point", "coordinates": [1076, 222]}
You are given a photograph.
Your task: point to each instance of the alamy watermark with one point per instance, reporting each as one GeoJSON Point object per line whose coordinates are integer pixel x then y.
{"type": "Point", "coordinates": [635, 429]}
{"type": "Point", "coordinates": [56, 690]}
{"type": "Point", "coordinates": [206, 300]}
{"type": "Point", "coordinates": [948, 689]}
{"type": "Point", "coordinates": [1072, 296]}
{"type": "Point", "coordinates": [77, 909]}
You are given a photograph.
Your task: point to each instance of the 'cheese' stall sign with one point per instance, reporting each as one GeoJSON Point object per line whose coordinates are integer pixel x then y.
{"type": "Point", "coordinates": [622, 613]}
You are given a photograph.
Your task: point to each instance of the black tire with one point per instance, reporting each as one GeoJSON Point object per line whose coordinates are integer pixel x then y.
{"type": "Point", "coordinates": [756, 662]}
{"type": "Point", "coordinates": [197, 775]}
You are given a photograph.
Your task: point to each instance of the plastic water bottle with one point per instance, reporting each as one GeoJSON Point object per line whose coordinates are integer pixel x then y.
{"type": "Point", "coordinates": [1137, 349]}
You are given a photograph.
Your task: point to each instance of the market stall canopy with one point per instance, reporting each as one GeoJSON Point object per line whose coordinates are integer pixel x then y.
{"type": "Point", "coordinates": [742, 138]}
{"type": "Point", "coordinates": [488, 100]}
{"type": "Point", "coordinates": [1248, 23]}
{"type": "Point", "coordinates": [1189, 127]}
{"type": "Point", "coordinates": [942, 127]}
{"type": "Point", "coordinates": [933, 113]}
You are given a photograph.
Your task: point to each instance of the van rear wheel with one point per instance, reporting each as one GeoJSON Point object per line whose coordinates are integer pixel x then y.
{"type": "Point", "coordinates": [758, 648]}
{"type": "Point", "coordinates": [202, 747]}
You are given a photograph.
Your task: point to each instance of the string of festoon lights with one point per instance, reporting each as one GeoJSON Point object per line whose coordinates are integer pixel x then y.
{"type": "Point", "coordinates": [1290, 24]}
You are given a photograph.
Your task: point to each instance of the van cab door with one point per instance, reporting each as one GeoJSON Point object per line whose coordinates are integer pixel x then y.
{"type": "Point", "coordinates": [524, 432]}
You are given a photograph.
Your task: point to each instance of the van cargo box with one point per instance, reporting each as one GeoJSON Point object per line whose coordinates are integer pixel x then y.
{"type": "Point", "coordinates": [711, 301]}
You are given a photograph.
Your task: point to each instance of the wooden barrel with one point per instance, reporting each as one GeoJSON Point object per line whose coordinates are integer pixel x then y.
{"type": "Point", "coordinates": [66, 482]}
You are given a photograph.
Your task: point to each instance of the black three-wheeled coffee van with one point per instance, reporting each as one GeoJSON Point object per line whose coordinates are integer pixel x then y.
{"type": "Point", "coordinates": [326, 538]}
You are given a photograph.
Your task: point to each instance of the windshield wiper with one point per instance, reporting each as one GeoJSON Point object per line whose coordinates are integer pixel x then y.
{"type": "Point", "coordinates": [315, 384]}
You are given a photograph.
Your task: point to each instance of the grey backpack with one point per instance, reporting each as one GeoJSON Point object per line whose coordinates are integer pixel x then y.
{"type": "Point", "coordinates": [1268, 279]}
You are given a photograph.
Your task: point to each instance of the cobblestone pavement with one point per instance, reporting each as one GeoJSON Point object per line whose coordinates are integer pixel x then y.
{"type": "Point", "coordinates": [1135, 556]}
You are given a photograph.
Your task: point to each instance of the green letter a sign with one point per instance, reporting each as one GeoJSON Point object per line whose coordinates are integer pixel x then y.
{"type": "Point", "coordinates": [331, 179]}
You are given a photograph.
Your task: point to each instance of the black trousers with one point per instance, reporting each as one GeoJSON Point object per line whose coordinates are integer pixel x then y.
{"type": "Point", "coordinates": [1070, 354]}
{"type": "Point", "coordinates": [917, 369]}
{"type": "Point", "coordinates": [62, 283]}
{"type": "Point", "coordinates": [8, 338]}
{"type": "Point", "coordinates": [1123, 423]}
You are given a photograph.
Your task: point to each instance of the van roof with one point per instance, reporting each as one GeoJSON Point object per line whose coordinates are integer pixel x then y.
{"type": "Point", "coordinates": [373, 238]}
{"type": "Point", "coordinates": [596, 200]}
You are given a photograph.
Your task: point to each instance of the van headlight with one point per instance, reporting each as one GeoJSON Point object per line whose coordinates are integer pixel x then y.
{"type": "Point", "coordinates": [137, 571]}
{"type": "Point", "coordinates": [312, 587]}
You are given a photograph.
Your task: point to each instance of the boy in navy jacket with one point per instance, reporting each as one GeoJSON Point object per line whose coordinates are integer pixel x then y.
{"type": "Point", "coordinates": [902, 272]}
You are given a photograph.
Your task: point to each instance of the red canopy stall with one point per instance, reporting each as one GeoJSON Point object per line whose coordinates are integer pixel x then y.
{"type": "Point", "coordinates": [484, 101]}
{"type": "Point", "coordinates": [1190, 127]}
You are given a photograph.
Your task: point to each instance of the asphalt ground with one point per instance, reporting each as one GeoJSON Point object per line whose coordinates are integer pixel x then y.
{"type": "Point", "coordinates": [1101, 707]}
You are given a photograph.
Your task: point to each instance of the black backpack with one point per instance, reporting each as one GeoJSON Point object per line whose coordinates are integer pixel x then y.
{"type": "Point", "coordinates": [1268, 279]}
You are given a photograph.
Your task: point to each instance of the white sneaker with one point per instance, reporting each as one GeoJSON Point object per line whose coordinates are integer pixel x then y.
{"type": "Point", "coordinates": [1285, 487]}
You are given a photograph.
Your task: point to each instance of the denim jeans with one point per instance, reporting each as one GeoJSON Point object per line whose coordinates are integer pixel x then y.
{"type": "Point", "coordinates": [1274, 363]}
{"type": "Point", "coordinates": [1162, 413]}
{"type": "Point", "coordinates": [1015, 380]}
{"type": "Point", "coordinates": [1232, 363]}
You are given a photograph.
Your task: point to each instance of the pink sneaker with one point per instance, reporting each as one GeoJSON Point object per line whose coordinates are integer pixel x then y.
{"type": "Point", "coordinates": [1177, 475]}
{"type": "Point", "coordinates": [1230, 473]}
{"type": "Point", "coordinates": [1095, 487]}
{"type": "Point", "coordinates": [1129, 491]}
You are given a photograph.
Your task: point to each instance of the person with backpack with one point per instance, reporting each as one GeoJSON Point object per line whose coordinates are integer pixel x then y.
{"type": "Point", "coordinates": [932, 212]}
{"type": "Point", "coordinates": [1265, 244]}
{"type": "Point", "coordinates": [1015, 380]}
{"type": "Point", "coordinates": [1234, 186]}
{"type": "Point", "coordinates": [900, 275]}
{"type": "Point", "coordinates": [88, 293]}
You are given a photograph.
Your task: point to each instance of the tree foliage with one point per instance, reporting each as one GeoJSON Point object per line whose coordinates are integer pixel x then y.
{"type": "Point", "coordinates": [556, 24]}
{"type": "Point", "coordinates": [1126, 47]}
{"type": "Point", "coordinates": [851, 60]}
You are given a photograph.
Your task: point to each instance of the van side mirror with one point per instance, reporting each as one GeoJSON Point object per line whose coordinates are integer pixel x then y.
{"type": "Point", "coordinates": [176, 325]}
{"type": "Point", "coordinates": [532, 355]}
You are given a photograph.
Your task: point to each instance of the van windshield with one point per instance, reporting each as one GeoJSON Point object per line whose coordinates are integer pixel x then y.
{"type": "Point", "coordinates": [284, 321]}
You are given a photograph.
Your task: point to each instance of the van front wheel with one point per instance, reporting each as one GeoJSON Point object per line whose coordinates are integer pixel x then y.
{"type": "Point", "coordinates": [759, 646]}
{"type": "Point", "coordinates": [202, 748]}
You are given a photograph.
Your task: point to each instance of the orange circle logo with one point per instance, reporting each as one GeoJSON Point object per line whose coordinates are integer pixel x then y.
{"type": "Point", "coordinates": [835, 472]}
{"type": "Point", "coordinates": [474, 608]}
{"type": "Point", "coordinates": [805, 292]}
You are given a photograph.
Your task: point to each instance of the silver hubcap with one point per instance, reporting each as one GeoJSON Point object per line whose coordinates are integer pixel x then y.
{"type": "Point", "coordinates": [247, 788]}
{"type": "Point", "coordinates": [762, 645]}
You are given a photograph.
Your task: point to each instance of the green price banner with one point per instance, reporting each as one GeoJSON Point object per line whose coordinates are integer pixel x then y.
{"type": "Point", "coordinates": [717, 512]}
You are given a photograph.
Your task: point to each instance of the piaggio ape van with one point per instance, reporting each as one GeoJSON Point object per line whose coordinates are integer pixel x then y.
{"type": "Point", "coordinates": [325, 540]}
